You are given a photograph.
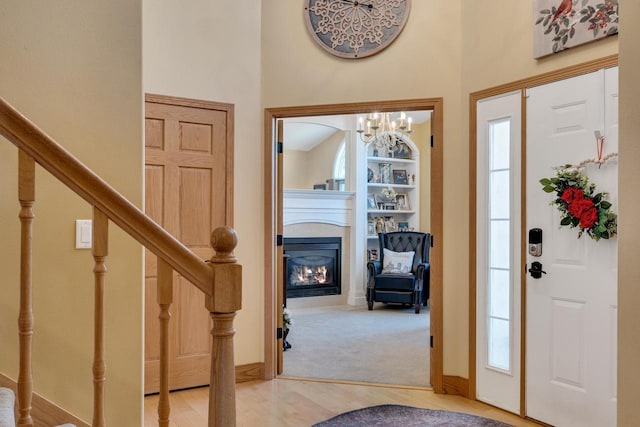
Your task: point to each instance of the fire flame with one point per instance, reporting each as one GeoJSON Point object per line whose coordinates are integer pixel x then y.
{"type": "Point", "coordinates": [309, 275]}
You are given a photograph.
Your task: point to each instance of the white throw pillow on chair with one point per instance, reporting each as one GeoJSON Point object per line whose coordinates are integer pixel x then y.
{"type": "Point", "coordinates": [397, 262]}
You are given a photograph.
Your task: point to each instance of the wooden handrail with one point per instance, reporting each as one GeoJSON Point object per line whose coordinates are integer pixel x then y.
{"type": "Point", "coordinates": [69, 170]}
{"type": "Point", "coordinates": [220, 278]}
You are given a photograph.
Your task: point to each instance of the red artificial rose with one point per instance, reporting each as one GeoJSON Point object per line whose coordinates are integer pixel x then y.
{"type": "Point", "coordinates": [589, 218]}
{"type": "Point", "coordinates": [571, 194]}
{"type": "Point", "coordinates": [579, 206]}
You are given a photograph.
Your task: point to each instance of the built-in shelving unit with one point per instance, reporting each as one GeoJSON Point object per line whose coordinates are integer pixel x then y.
{"type": "Point", "coordinates": [393, 196]}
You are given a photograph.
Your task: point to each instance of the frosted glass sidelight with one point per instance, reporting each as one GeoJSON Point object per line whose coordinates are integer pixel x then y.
{"type": "Point", "coordinates": [499, 140]}
{"type": "Point", "coordinates": [499, 284]}
{"type": "Point", "coordinates": [499, 294]}
{"type": "Point", "coordinates": [499, 244]}
{"type": "Point", "coordinates": [499, 194]}
{"type": "Point", "coordinates": [499, 344]}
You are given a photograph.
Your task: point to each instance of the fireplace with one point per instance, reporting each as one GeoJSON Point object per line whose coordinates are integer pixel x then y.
{"type": "Point", "coordinates": [312, 266]}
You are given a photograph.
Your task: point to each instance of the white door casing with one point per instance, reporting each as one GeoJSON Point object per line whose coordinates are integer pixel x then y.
{"type": "Point", "coordinates": [571, 325]}
{"type": "Point", "coordinates": [498, 253]}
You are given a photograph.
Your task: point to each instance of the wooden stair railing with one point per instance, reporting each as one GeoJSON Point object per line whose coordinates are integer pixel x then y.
{"type": "Point", "coordinates": [220, 279]}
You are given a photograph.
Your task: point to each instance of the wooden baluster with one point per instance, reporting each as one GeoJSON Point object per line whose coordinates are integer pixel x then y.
{"type": "Point", "coordinates": [26, 195]}
{"type": "Point", "coordinates": [100, 252]}
{"type": "Point", "coordinates": [165, 299]}
{"type": "Point", "coordinates": [226, 300]}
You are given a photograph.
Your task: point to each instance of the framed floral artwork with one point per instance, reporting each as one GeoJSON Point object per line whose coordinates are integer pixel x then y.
{"type": "Point", "coordinates": [562, 24]}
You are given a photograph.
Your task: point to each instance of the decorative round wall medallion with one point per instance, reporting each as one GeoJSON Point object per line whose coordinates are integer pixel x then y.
{"type": "Point", "coordinates": [355, 29]}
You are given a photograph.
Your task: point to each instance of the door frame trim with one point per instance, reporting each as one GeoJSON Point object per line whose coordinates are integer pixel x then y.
{"type": "Point", "coordinates": [474, 97]}
{"type": "Point", "coordinates": [270, 153]}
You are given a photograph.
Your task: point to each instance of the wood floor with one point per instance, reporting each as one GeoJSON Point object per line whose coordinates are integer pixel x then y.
{"type": "Point", "coordinates": [300, 403]}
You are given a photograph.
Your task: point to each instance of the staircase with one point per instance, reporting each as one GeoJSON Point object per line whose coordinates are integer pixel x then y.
{"type": "Point", "coordinates": [7, 416]}
{"type": "Point", "coordinates": [219, 278]}
{"type": "Point", "coordinates": [7, 400]}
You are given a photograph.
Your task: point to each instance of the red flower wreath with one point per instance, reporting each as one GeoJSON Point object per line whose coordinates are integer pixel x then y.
{"type": "Point", "coordinates": [579, 205]}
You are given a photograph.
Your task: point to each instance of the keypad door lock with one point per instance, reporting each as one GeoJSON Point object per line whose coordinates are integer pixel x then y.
{"type": "Point", "coordinates": [535, 242]}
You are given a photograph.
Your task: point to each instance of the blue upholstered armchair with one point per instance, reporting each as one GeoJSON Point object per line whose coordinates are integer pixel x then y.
{"type": "Point", "coordinates": [402, 273]}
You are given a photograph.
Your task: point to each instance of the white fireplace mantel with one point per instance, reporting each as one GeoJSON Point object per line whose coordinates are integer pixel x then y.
{"type": "Point", "coordinates": [318, 206]}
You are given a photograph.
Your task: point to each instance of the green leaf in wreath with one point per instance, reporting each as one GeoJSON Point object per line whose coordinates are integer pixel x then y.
{"type": "Point", "coordinates": [601, 228]}
{"type": "Point", "coordinates": [548, 189]}
{"type": "Point", "coordinates": [565, 221]}
{"type": "Point", "coordinates": [605, 205]}
{"type": "Point", "coordinates": [597, 198]}
{"type": "Point", "coordinates": [545, 181]}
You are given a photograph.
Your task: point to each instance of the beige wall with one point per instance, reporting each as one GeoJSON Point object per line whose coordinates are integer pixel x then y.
{"type": "Point", "coordinates": [294, 169]}
{"type": "Point", "coordinates": [303, 169]}
{"type": "Point", "coordinates": [211, 50]}
{"type": "Point", "coordinates": [629, 236]}
{"type": "Point", "coordinates": [75, 71]}
{"type": "Point", "coordinates": [421, 136]}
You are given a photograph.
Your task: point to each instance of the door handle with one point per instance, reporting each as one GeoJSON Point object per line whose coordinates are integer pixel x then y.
{"type": "Point", "coordinates": [536, 270]}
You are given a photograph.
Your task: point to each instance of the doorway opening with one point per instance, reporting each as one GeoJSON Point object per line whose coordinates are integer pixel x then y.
{"type": "Point", "coordinates": [356, 242]}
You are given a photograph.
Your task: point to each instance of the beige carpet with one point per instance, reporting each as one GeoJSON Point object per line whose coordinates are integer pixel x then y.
{"type": "Point", "coordinates": [389, 345]}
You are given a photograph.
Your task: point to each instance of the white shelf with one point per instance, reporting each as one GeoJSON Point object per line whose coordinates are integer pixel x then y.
{"type": "Point", "coordinates": [391, 211]}
{"type": "Point", "coordinates": [389, 160]}
{"type": "Point", "coordinates": [385, 185]}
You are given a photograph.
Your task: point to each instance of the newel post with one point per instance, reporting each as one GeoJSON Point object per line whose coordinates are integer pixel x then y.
{"type": "Point", "coordinates": [225, 300]}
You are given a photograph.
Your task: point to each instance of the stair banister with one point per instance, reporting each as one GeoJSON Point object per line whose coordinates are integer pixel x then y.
{"type": "Point", "coordinates": [69, 170]}
{"type": "Point", "coordinates": [100, 251]}
{"type": "Point", "coordinates": [26, 196]}
{"type": "Point", "coordinates": [220, 281]}
{"type": "Point", "coordinates": [227, 288]}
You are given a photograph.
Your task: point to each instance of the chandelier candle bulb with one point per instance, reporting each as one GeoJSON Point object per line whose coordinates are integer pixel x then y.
{"type": "Point", "coordinates": [409, 122]}
{"type": "Point", "coordinates": [360, 122]}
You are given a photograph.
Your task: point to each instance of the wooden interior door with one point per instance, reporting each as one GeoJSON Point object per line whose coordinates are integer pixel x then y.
{"type": "Point", "coordinates": [188, 191]}
{"type": "Point", "coordinates": [280, 298]}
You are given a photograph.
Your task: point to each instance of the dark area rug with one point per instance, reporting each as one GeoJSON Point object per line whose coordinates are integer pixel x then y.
{"type": "Point", "coordinates": [407, 416]}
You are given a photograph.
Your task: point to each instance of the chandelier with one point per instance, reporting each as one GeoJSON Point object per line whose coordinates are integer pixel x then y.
{"type": "Point", "coordinates": [382, 130]}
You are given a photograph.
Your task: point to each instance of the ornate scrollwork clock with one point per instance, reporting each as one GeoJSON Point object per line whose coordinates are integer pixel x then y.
{"type": "Point", "coordinates": [353, 28]}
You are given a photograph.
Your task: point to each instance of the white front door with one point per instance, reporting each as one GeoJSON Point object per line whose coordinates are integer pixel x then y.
{"type": "Point", "coordinates": [571, 310]}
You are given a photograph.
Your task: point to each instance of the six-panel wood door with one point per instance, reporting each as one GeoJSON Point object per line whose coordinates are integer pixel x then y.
{"type": "Point", "coordinates": [188, 190]}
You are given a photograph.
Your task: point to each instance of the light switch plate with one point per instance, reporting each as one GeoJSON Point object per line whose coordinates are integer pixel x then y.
{"type": "Point", "coordinates": [83, 234]}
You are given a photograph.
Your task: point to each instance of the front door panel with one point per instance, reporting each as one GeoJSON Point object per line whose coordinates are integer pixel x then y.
{"type": "Point", "coordinates": [572, 307]}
